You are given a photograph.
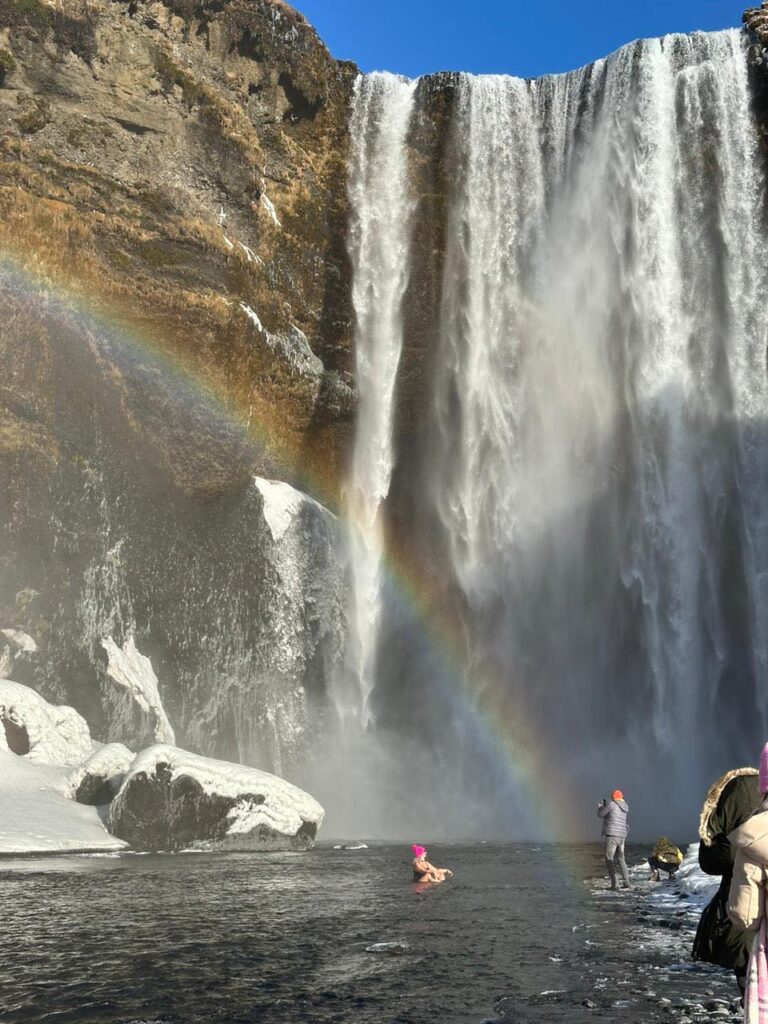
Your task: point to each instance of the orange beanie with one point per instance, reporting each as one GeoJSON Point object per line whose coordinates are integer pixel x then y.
{"type": "Point", "coordinates": [617, 795]}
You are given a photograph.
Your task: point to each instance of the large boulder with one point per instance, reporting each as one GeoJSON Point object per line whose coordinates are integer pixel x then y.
{"type": "Point", "coordinates": [172, 800]}
{"type": "Point", "coordinates": [97, 780]}
{"type": "Point", "coordinates": [42, 732]}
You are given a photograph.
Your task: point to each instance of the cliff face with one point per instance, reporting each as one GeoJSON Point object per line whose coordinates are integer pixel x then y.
{"type": "Point", "coordinates": [173, 165]}
{"type": "Point", "coordinates": [174, 301]}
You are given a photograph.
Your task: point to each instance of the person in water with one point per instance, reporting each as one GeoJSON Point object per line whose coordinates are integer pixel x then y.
{"type": "Point", "coordinates": [730, 801]}
{"type": "Point", "coordinates": [665, 857]}
{"type": "Point", "coordinates": [423, 871]}
{"type": "Point", "coordinates": [615, 829]}
{"type": "Point", "coordinates": [746, 897]}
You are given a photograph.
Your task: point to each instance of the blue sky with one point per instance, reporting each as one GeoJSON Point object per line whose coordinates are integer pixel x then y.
{"type": "Point", "coordinates": [515, 37]}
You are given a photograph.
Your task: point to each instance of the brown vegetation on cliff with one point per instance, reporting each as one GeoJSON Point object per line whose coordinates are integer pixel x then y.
{"type": "Point", "coordinates": [169, 165]}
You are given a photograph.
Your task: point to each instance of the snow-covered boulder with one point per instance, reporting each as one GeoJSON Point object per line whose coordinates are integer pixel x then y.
{"type": "Point", "coordinates": [172, 800]}
{"type": "Point", "coordinates": [134, 695]}
{"type": "Point", "coordinates": [40, 731]}
{"type": "Point", "coordinates": [97, 780]}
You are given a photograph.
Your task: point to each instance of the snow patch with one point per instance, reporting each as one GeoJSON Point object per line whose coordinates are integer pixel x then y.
{"type": "Point", "coordinates": [111, 761]}
{"type": "Point", "coordinates": [250, 255]}
{"type": "Point", "coordinates": [22, 641]}
{"type": "Point", "coordinates": [253, 317]}
{"type": "Point", "coordinates": [281, 504]}
{"type": "Point", "coordinates": [269, 206]}
{"type": "Point", "coordinates": [134, 673]}
{"type": "Point", "coordinates": [55, 735]}
{"type": "Point", "coordinates": [229, 245]}
{"type": "Point", "coordinates": [692, 879]}
{"type": "Point", "coordinates": [37, 817]}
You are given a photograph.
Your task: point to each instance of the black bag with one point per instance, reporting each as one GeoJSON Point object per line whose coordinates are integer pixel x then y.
{"type": "Point", "coordinates": [717, 941]}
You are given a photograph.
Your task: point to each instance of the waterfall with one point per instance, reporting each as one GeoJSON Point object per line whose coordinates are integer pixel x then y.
{"type": "Point", "coordinates": [381, 207]}
{"type": "Point", "coordinates": [593, 466]}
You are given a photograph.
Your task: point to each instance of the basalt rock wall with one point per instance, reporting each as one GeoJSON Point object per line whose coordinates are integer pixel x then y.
{"type": "Point", "coordinates": [175, 320]}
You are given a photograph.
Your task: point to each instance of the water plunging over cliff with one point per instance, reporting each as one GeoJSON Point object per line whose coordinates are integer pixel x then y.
{"type": "Point", "coordinates": [381, 206]}
{"type": "Point", "coordinates": [586, 476]}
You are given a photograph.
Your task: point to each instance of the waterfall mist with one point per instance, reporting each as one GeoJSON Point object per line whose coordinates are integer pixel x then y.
{"type": "Point", "coordinates": [585, 486]}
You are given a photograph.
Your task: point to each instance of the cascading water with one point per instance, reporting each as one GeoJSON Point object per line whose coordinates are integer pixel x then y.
{"type": "Point", "coordinates": [593, 477]}
{"type": "Point", "coordinates": [381, 207]}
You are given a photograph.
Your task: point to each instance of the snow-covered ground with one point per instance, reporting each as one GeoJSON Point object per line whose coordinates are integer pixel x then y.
{"type": "Point", "coordinates": [692, 880]}
{"type": "Point", "coordinates": [37, 817]}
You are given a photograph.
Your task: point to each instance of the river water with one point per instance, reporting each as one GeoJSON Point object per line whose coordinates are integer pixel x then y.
{"type": "Point", "coordinates": [523, 933]}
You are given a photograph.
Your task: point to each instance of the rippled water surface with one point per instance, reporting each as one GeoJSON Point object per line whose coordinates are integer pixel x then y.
{"type": "Point", "coordinates": [523, 933]}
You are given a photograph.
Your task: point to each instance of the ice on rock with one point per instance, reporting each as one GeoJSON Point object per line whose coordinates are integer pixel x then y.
{"type": "Point", "coordinates": [253, 316]}
{"type": "Point", "coordinates": [269, 206]}
{"type": "Point", "coordinates": [172, 799]}
{"type": "Point", "coordinates": [40, 731]}
{"type": "Point", "coordinates": [141, 709]}
{"type": "Point", "coordinates": [20, 640]}
{"type": "Point", "coordinates": [281, 504]}
{"type": "Point", "coordinates": [14, 646]}
{"type": "Point", "coordinates": [97, 780]}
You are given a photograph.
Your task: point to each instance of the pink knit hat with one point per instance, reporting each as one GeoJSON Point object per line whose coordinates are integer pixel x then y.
{"type": "Point", "coordinates": [419, 851]}
{"type": "Point", "coordinates": [763, 770]}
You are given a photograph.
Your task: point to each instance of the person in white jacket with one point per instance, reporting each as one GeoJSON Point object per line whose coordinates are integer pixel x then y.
{"type": "Point", "coordinates": [746, 899]}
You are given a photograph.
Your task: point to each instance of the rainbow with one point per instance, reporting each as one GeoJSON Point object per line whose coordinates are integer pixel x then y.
{"type": "Point", "coordinates": [487, 698]}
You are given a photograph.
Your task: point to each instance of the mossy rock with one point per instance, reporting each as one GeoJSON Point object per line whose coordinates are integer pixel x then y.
{"type": "Point", "coordinates": [7, 63]}
{"type": "Point", "coordinates": [35, 118]}
{"type": "Point", "coordinates": [157, 255]}
{"type": "Point", "coordinates": [26, 12]}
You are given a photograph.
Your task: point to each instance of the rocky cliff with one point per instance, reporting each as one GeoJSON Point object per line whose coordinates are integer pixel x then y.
{"type": "Point", "coordinates": [174, 300]}
{"type": "Point", "coordinates": [180, 169]}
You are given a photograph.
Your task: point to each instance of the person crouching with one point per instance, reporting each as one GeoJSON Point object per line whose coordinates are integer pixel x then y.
{"type": "Point", "coordinates": [665, 857]}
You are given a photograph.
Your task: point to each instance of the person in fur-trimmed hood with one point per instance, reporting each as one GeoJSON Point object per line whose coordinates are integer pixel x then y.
{"type": "Point", "coordinates": [730, 801]}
